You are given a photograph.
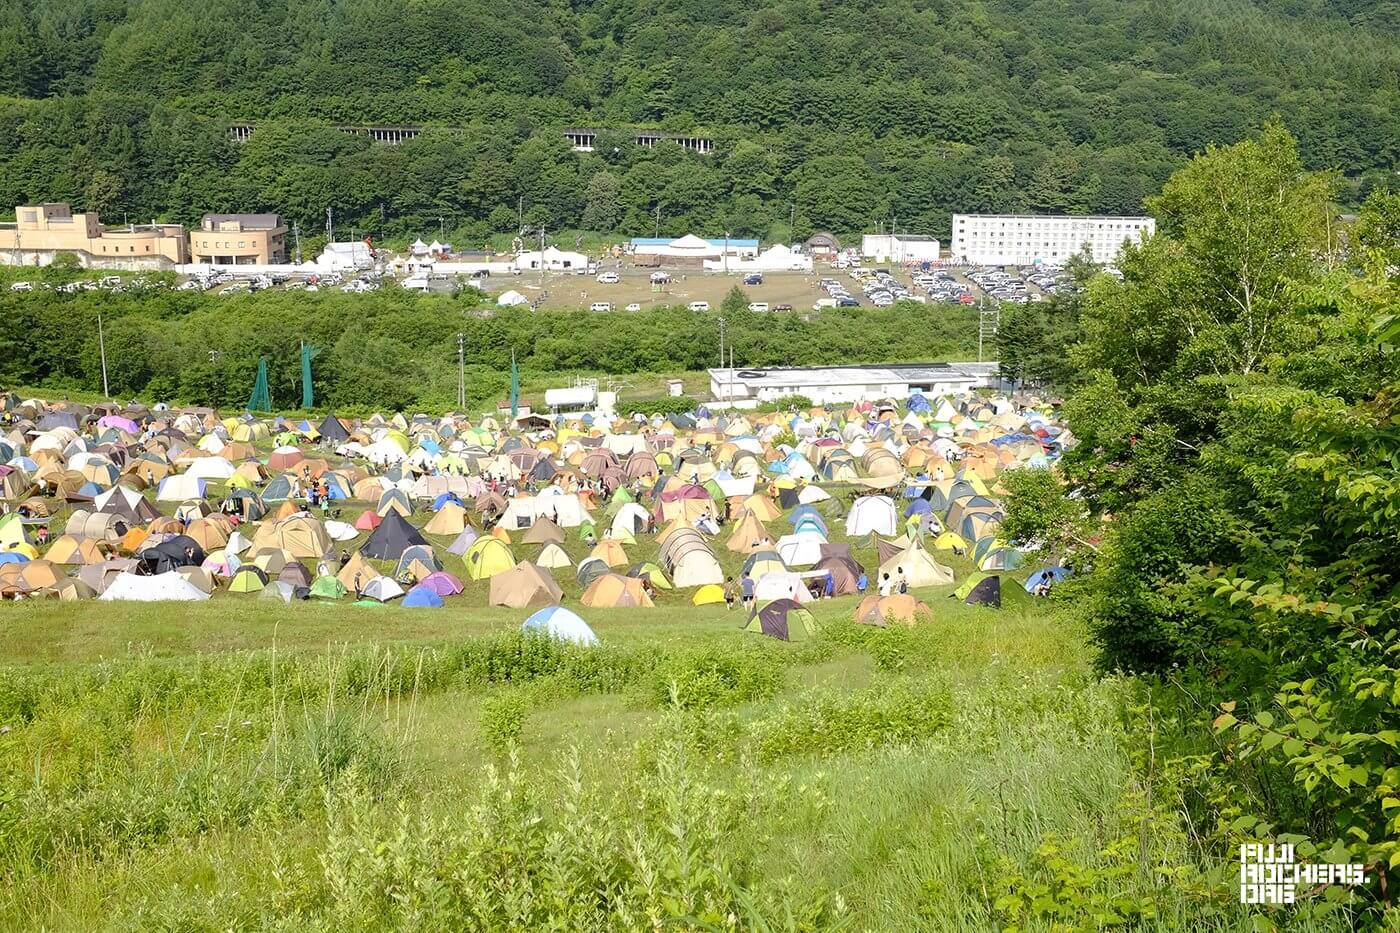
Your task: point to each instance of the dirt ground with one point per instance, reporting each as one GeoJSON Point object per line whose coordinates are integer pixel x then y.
{"type": "Point", "coordinates": [794, 288]}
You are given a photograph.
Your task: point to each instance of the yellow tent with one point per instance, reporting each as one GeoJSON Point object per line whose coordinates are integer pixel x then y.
{"type": "Point", "coordinates": [708, 595]}
{"type": "Point", "coordinates": [487, 557]}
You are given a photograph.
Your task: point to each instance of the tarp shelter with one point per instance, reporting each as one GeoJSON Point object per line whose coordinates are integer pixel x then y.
{"type": "Point", "coordinates": [783, 619]}
{"type": "Point", "coordinates": [1046, 576]}
{"type": "Point", "coordinates": [524, 585]}
{"type": "Point", "coordinates": [391, 538]}
{"type": "Point", "coordinates": [563, 624]}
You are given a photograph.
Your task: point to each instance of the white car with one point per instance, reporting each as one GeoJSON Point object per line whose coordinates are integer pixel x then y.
{"type": "Point", "coordinates": [634, 307]}
{"type": "Point", "coordinates": [21, 287]}
{"type": "Point", "coordinates": [758, 306]}
{"type": "Point", "coordinates": [600, 306]}
{"type": "Point", "coordinates": [609, 278]}
{"type": "Point", "coordinates": [699, 306]}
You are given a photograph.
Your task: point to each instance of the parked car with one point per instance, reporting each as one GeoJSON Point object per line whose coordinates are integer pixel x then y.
{"type": "Point", "coordinates": [609, 278]}
{"type": "Point", "coordinates": [758, 306]}
{"type": "Point", "coordinates": [600, 306]}
{"type": "Point", "coordinates": [753, 278]}
{"type": "Point", "coordinates": [699, 306]}
{"type": "Point", "coordinates": [782, 307]}
{"type": "Point", "coordinates": [634, 307]}
{"type": "Point", "coordinates": [21, 287]}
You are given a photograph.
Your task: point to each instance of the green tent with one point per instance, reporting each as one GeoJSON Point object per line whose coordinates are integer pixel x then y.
{"type": "Point", "coordinates": [248, 580]}
{"type": "Point", "coordinates": [783, 619]}
{"type": "Point", "coordinates": [327, 587]}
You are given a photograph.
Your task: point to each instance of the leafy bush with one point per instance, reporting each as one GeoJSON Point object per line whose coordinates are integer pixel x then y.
{"type": "Point", "coordinates": [705, 678]}
{"type": "Point", "coordinates": [825, 723]}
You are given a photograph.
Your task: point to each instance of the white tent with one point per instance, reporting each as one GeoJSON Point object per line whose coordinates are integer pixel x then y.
{"type": "Point", "coordinates": [871, 514]}
{"type": "Point", "coordinates": [162, 586]}
{"type": "Point", "coordinates": [781, 584]}
{"type": "Point", "coordinates": [215, 468]}
{"type": "Point", "coordinates": [801, 549]}
{"type": "Point", "coordinates": [511, 298]}
{"type": "Point", "coordinates": [180, 488]}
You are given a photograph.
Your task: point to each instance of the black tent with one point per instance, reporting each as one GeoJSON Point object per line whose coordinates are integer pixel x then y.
{"type": "Point", "coordinates": [332, 430]}
{"type": "Point", "coordinates": [392, 537]}
{"type": "Point", "coordinates": [986, 592]}
{"type": "Point", "coordinates": [788, 498]}
{"type": "Point", "coordinates": [179, 551]}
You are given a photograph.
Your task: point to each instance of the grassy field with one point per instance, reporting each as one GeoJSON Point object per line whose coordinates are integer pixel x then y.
{"type": "Point", "coordinates": [244, 765]}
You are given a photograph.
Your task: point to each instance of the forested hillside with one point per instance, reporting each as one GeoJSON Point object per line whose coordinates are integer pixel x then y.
{"type": "Point", "coordinates": [839, 113]}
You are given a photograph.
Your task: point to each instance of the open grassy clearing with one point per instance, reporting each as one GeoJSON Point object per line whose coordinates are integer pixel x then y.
{"type": "Point", "coordinates": [365, 769]}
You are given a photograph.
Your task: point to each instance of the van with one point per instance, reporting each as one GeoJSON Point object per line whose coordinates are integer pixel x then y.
{"type": "Point", "coordinates": [699, 306]}
{"type": "Point", "coordinates": [609, 278]}
{"type": "Point", "coordinates": [823, 303]}
{"type": "Point", "coordinates": [758, 306]}
{"type": "Point", "coordinates": [600, 306]}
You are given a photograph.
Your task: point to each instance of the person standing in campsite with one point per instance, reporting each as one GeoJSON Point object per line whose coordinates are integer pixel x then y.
{"type": "Point", "coordinates": [886, 584]}
{"type": "Point", "coordinates": [344, 557]}
{"type": "Point", "coordinates": [746, 587]}
{"type": "Point", "coordinates": [43, 535]}
{"type": "Point", "coordinates": [902, 584]}
{"type": "Point", "coordinates": [730, 594]}
{"type": "Point", "coordinates": [862, 583]}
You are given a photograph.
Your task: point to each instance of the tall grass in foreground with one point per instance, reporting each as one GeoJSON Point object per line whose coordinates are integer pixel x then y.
{"type": "Point", "coordinates": [951, 789]}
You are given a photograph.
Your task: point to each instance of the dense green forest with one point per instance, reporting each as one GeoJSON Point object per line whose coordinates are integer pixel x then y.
{"type": "Point", "coordinates": [1232, 505]}
{"type": "Point", "coordinates": [836, 115]}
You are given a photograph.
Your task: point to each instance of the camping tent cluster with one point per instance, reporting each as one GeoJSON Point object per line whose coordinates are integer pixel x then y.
{"type": "Point", "coordinates": [182, 505]}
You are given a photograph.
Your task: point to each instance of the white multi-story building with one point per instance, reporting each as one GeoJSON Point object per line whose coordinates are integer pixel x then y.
{"type": "Point", "coordinates": [1026, 239]}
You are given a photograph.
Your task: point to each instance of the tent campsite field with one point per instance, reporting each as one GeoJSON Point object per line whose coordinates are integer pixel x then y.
{"type": "Point", "coordinates": [244, 762]}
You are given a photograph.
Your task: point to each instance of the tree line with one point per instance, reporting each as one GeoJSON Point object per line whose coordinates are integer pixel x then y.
{"type": "Point", "coordinates": [848, 116]}
{"type": "Point", "coordinates": [1231, 505]}
{"type": "Point", "coordinates": [397, 350]}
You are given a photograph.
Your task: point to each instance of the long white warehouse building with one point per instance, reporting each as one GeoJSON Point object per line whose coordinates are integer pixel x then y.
{"type": "Point", "coordinates": [1026, 239]}
{"type": "Point", "coordinates": [842, 385]}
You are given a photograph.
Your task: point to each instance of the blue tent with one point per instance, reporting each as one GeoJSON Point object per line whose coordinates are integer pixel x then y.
{"type": "Point", "coordinates": [918, 403]}
{"type": "Point", "coordinates": [423, 597]}
{"type": "Point", "coordinates": [445, 498]}
{"type": "Point", "coordinates": [561, 623]}
{"type": "Point", "coordinates": [12, 557]}
{"type": "Point", "coordinates": [918, 507]}
{"type": "Point", "coordinates": [1046, 575]}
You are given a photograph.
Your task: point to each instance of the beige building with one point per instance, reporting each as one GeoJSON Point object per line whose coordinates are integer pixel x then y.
{"type": "Point", "coordinates": [239, 240]}
{"type": "Point", "coordinates": [42, 231]}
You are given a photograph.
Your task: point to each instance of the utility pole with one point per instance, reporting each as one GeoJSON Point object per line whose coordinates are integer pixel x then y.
{"type": "Point", "coordinates": [726, 272]}
{"type": "Point", "coordinates": [792, 219]}
{"type": "Point", "coordinates": [542, 263]}
{"type": "Point", "coordinates": [461, 373]}
{"type": "Point", "coordinates": [296, 235]}
{"type": "Point", "coordinates": [656, 231]}
{"type": "Point", "coordinates": [442, 231]}
{"type": "Point", "coordinates": [330, 225]}
{"type": "Point", "coordinates": [520, 212]}
{"type": "Point", "coordinates": [102, 350]}
{"type": "Point", "coordinates": [729, 389]}
{"type": "Point", "coordinates": [988, 319]}
{"type": "Point", "coordinates": [721, 355]}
